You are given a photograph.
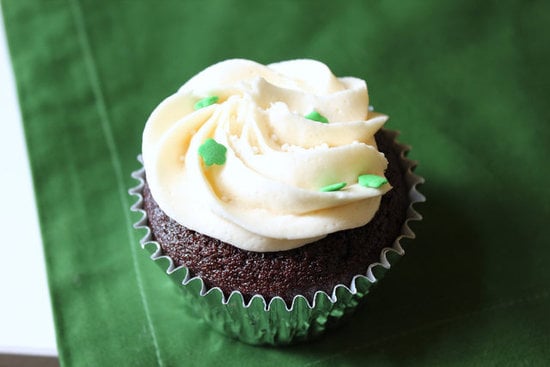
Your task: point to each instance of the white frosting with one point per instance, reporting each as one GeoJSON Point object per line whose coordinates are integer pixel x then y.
{"type": "Point", "coordinates": [266, 196]}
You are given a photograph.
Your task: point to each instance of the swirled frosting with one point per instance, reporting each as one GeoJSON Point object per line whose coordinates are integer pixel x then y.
{"type": "Point", "coordinates": [272, 189]}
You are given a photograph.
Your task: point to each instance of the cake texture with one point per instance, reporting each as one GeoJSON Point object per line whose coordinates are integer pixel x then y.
{"type": "Point", "coordinates": [317, 266]}
{"type": "Point", "coordinates": [275, 195]}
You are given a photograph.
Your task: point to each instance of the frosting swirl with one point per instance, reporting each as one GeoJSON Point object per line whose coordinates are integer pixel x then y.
{"type": "Point", "coordinates": [272, 185]}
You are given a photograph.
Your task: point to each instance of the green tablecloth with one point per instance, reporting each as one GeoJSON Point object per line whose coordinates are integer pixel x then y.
{"type": "Point", "coordinates": [466, 82]}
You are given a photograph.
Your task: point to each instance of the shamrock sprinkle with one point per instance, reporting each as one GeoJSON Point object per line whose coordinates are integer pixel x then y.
{"type": "Point", "coordinates": [212, 152]}
{"type": "Point", "coordinates": [334, 187]}
{"type": "Point", "coordinates": [205, 102]}
{"type": "Point", "coordinates": [316, 116]}
{"type": "Point", "coordinates": [373, 181]}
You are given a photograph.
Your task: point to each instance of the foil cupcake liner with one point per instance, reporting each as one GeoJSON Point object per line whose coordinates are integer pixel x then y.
{"type": "Point", "coordinates": [257, 321]}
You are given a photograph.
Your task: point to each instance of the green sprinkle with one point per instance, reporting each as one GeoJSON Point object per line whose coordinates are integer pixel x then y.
{"type": "Point", "coordinates": [316, 116]}
{"type": "Point", "coordinates": [373, 181]}
{"type": "Point", "coordinates": [205, 102]}
{"type": "Point", "coordinates": [333, 187]}
{"type": "Point", "coordinates": [212, 152]}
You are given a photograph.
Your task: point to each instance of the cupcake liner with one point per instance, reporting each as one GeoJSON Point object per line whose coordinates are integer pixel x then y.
{"type": "Point", "coordinates": [258, 321]}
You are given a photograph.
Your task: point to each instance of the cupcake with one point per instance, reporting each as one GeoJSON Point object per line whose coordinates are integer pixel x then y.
{"type": "Point", "coordinates": [275, 195]}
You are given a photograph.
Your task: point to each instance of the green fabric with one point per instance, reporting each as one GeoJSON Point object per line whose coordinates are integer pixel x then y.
{"type": "Point", "coordinates": [466, 83]}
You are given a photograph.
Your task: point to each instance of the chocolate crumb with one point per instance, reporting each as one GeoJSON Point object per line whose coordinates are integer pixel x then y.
{"type": "Point", "coordinates": [320, 265]}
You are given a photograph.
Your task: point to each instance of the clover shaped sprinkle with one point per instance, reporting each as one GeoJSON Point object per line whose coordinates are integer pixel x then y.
{"type": "Point", "coordinates": [316, 116]}
{"type": "Point", "coordinates": [205, 102]}
{"type": "Point", "coordinates": [212, 152]}
{"type": "Point", "coordinates": [333, 187]}
{"type": "Point", "coordinates": [373, 181]}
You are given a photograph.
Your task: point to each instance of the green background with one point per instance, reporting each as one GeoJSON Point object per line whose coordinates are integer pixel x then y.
{"type": "Point", "coordinates": [466, 83]}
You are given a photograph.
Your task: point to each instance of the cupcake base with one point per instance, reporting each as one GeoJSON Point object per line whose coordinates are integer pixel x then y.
{"type": "Point", "coordinates": [285, 297]}
{"type": "Point", "coordinates": [318, 266]}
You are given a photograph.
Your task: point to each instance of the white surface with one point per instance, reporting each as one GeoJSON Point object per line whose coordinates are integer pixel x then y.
{"type": "Point", "coordinates": [26, 324]}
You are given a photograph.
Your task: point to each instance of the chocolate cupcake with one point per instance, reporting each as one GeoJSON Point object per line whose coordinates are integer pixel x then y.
{"type": "Point", "coordinates": [274, 193]}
